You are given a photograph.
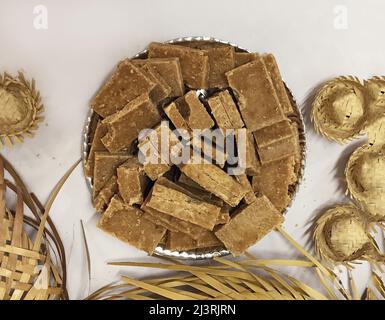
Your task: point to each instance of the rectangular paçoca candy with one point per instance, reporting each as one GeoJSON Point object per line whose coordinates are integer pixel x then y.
{"type": "Point", "coordinates": [276, 142]}
{"type": "Point", "coordinates": [225, 111]}
{"type": "Point", "coordinates": [105, 168]}
{"type": "Point", "coordinates": [242, 58]}
{"type": "Point", "coordinates": [127, 224]}
{"type": "Point", "coordinates": [178, 241]}
{"type": "Point", "coordinates": [132, 182]}
{"type": "Point", "coordinates": [173, 224]}
{"type": "Point", "coordinates": [257, 99]}
{"type": "Point", "coordinates": [188, 112]}
{"type": "Point", "coordinates": [169, 69]}
{"type": "Point", "coordinates": [280, 89]}
{"type": "Point", "coordinates": [125, 125]}
{"type": "Point", "coordinates": [194, 62]}
{"type": "Point", "coordinates": [127, 83]}
{"type": "Point", "coordinates": [105, 195]}
{"type": "Point", "coordinates": [167, 198]}
{"type": "Point", "coordinates": [249, 225]}
{"type": "Point", "coordinates": [221, 60]}
{"type": "Point", "coordinates": [274, 179]}
{"type": "Point", "coordinates": [215, 180]}
{"type": "Point", "coordinates": [96, 146]}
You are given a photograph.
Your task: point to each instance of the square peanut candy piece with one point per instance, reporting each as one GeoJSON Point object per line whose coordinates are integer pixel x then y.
{"type": "Point", "coordinates": [257, 99]}
{"type": "Point", "coordinates": [132, 182]}
{"type": "Point", "coordinates": [221, 60]}
{"type": "Point", "coordinates": [274, 180]}
{"type": "Point", "coordinates": [125, 125]}
{"type": "Point", "coordinates": [225, 111]}
{"type": "Point", "coordinates": [276, 142]}
{"type": "Point", "coordinates": [105, 168]}
{"type": "Point", "coordinates": [127, 83]}
{"type": "Point", "coordinates": [249, 225]}
{"type": "Point", "coordinates": [170, 199]}
{"type": "Point", "coordinates": [127, 224]}
{"type": "Point", "coordinates": [194, 62]}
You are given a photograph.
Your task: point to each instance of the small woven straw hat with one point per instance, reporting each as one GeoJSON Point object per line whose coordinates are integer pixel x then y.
{"type": "Point", "coordinates": [20, 109]}
{"type": "Point", "coordinates": [339, 110]}
{"type": "Point", "coordinates": [341, 235]}
{"type": "Point", "coordinates": [365, 176]}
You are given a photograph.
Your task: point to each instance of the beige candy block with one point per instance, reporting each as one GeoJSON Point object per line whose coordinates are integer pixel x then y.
{"type": "Point", "coordinates": [127, 224]}
{"type": "Point", "coordinates": [249, 225]}
{"type": "Point", "coordinates": [125, 125]}
{"type": "Point", "coordinates": [194, 62]}
{"type": "Point", "coordinates": [132, 181]}
{"type": "Point", "coordinates": [221, 60]}
{"type": "Point", "coordinates": [166, 198]}
{"type": "Point", "coordinates": [257, 99]}
{"type": "Point", "coordinates": [216, 181]}
{"type": "Point", "coordinates": [126, 84]}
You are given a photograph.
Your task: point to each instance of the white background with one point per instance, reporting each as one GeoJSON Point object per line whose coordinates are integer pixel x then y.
{"type": "Point", "coordinates": [84, 41]}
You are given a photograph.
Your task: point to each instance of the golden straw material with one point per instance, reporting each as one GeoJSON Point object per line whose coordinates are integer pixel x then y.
{"type": "Point", "coordinates": [341, 236]}
{"type": "Point", "coordinates": [31, 267]}
{"type": "Point", "coordinates": [365, 176]}
{"type": "Point", "coordinates": [248, 278]}
{"type": "Point", "coordinates": [339, 110]}
{"type": "Point", "coordinates": [21, 109]}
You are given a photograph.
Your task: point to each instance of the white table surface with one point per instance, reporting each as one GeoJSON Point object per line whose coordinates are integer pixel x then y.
{"type": "Point", "coordinates": [84, 41]}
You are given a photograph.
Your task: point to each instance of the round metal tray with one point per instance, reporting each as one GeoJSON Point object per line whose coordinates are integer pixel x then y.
{"type": "Point", "coordinates": [208, 253]}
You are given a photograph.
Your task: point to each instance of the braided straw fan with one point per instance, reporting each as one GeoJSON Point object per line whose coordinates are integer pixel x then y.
{"type": "Point", "coordinates": [341, 236]}
{"type": "Point", "coordinates": [365, 176]}
{"type": "Point", "coordinates": [20, 109]}
{"type": "Point", "coordinates": [30, 269]}
{"type": "Point", "coordinates": [339, 111]}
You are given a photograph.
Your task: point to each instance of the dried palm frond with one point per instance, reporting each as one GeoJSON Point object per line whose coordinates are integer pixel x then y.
{"type": "Point", "coordinates": [21, 109]}
{"type": "Point", "coordinates": [30, 269]}
{"type": "Point", "coordinates": [339, 110]}
{"type": "Point", "coordinates": [365, 176]}
{"type": "Point", "coordinates": [246, 279]}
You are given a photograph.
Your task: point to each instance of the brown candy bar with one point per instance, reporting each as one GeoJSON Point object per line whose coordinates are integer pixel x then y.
{"type": "Point", "coordinates": [173, 224]}
{"type": "Point", "coordinates": [178, 241]}
{"type": "Point", "coordinates": [188, 112]}
{"type": "Point", "coordinates": [166, 198]}
{"type": "Point", "coordinates": [125, 125]}
{"type": "Point", "coordinates": [274, 179]}
{"type": "Point", "coordinates": [280, 89]}
{"type": "Point", "coordinates": [250, 196]}
{"type": "Point", "coordinates": [132, 182]}
{"type": "Point", "coordinates": [169, 69]}
{"type": "Point", "coordinates": [162, 90]}
{"type": "Point", "coordinates": [96, 146]}
{"type": "Point", "coordinates": [258, 102]}
{"type": "Point", "coordinates": [105, 195]}
{"type": "Point", "coordinates": [127, 224]}
{"type": "Point", "coordinates": [194, 62]}
{"type": "Point", "coordinates": [276, 142]}
{"type": "Point", "coordinates": [126, 84]}
{"type": "Point", "coordinates": [242, 58]}
{"type": "Point", "coordinates": [216, 181]}
{"type": "Point", "coordinates": [249, 225]}
{"type": "Point", "coordinates": [105, 167]}
{"type": "Point", "coordinates": [225, 111]}
{"type": "Point", "coordinates": [221, 60]}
